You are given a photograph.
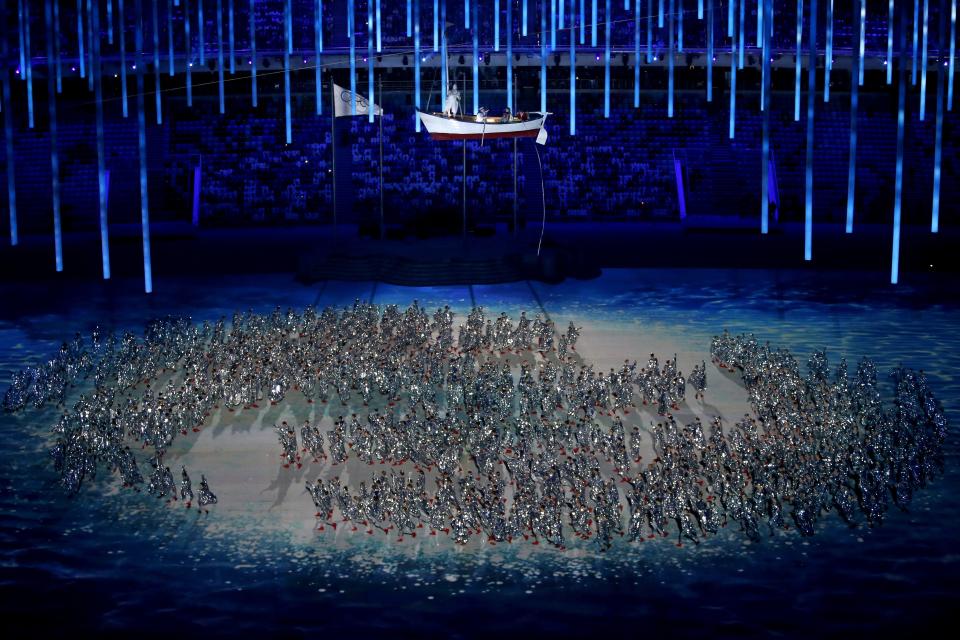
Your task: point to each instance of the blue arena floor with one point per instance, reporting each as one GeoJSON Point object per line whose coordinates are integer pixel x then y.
{"type": "Point", "coordinates": [109, 562]}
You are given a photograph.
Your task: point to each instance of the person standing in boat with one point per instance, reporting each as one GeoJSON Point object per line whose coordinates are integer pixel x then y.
{"type": "Point", "coordinates": [506, 116]}
{"type": "Point", "coordinates": [452, 106]}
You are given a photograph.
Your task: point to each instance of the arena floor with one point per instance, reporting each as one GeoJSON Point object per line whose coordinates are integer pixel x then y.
{"type": "Point", "coordinates": [119, 559]}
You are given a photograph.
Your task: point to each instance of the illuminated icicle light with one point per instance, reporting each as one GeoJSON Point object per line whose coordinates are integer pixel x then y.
{"type": "Point", "coordinates": [189, 45]}
{"type": "Point", "coordinates": [29, 68]}
{"type": "Point", "coordinates": [523, 24]}
{"type": "Point", "coordinates": [54, 156]}
{"type": "Point", "coordinates": [110, 21]}
{"type": "Point", "coordinates": [90, 44]}
{"type": "Point", "coordinates": [760, 4]}
{"type": "Point", "coordinates": [680, 26]}
{"type": "Point", "coordinates": [593, 23]}
{"type": "Point", "coordinates": [156, 60]}
{"type": "Point", "coordinates": [436, 23]}
{"type": "Point", "coordinates": [253, 53]}
{"type": "Point", "coordinates": [660, 14]}
{"type": "Point", "coordinates": [318, 50]}
{"type": "Point", "coordinates": [466, 14]}
{"type": "Point", "coordinates": [379, 30]}
{"type": "Point", "coordinates": [828, 62]}
{"type": "Point", "coordinates": [573, 74]}
{"type": "Point", "coordinates": [56, 46]}
{"type": "Point", "coordinates": [353, 56]}
{"type": "Point", "coordinates": [953, 52]}
{"type": "Point", "coordinates": [863, 37]}
{"type": "Point", "coordinates": [811, 102]}
{"type": "Point", "coordinates": [409, 20]}
{"type": "Point", "coordinates": [636, 55]}
{"type": "Point", "coordinates": [916, 37]}
{"type": "Point", "coordinates": [898, 189]}
{"type": "Point", "coordinates": [709, 50]}
{"type": "Point", "coordinates": [219, 55]}
{"type": "Point", "coordinates": [476, 61]}
{"type": "Point", "coordinates": [938, 137]}
{"type": "Point", "coordinates": [8, 139]}
{"type": "Point", "coordinates": [20, 33]}
{"type": "Point", "coordinates": [890, 42]}
{"type": "Point", "coordinates": [606, 60]}
{"type": "Point", "coordinates": [142, 149]}
{"type": "Point", "coordinates": [699, 9]}
{"type": "Point", "coordinates": [583, 22]}
{"type": "Point", "coordinates": [670, 62]}
{"type": "Point", "coordinates": [731, 8]}
{"type": "Point", "coordinates": [765, 143]}
{"type": "Point", "coordinates": [854, 106]}
{"type": "Point", "coordinates": [288, 31]}
{"type": "Point", "coordinates": [650, 32]}
{"type": "Point", "coordinates": [543, 57]}
{"type": "Point", "coordinates": [416, 62]}
{"type": "Point", "coordinates": [200, 30]}
{"type": "Point", "coordinates": [553, 25]}
{"type": "Point", "coordinates": [733, 85]}
{"type": "Point", "coordinates": [123, 62]}
{"type": "Point", "coordinates": [510, 96]}
{"type": "Point", "coordinates": [444, 79]}
{"type": "Point", "coordinates": [170, 56]}
{"type": "Point", "coordinates": [562, 9]}
{"type": "Point", "coordinates": [80, 36]}
{"type": "Point", "coordinates": [370, 37]}
{"type": "Point", "coordinates": [231, 51]}
{"type": "Point", "coordinates": [96, 71]}
{"type": "Point", "coordinates": [797, 63]}
{"type": "Point", "coordinates": [740, 38]}
{"type": "Point", "coordinates": [923, 61]}
{"type": "Point", "coordinates": [496, 25]}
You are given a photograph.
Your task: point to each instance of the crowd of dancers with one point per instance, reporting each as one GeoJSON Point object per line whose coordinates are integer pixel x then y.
{"type": "Point", "coordinates": [500, 434]}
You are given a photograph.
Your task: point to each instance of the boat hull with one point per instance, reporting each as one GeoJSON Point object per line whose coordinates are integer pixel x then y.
{"type": "Point", "coordinates": [442, 128]}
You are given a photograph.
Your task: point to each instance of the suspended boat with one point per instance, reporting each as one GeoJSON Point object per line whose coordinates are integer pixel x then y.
{"type": "Point", "coordinates": [479, 127]}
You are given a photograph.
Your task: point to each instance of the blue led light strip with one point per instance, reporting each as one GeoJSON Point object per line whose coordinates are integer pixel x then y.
{"type": "Point", "coordinates": [142, 148]}
{"type": "Point", "coordinates": [852, 170]}
{"type": "Point", "coordinates": [54, 156]}
{"type": "Point", "coordinates": [811, 103]}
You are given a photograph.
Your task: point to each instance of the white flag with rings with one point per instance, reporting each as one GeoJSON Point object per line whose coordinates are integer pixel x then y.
{"type": "Point", "coordinates": [342, 103]}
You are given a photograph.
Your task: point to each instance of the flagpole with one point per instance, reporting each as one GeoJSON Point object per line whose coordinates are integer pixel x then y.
{"type": "Point", "coordinates": [380, 93]}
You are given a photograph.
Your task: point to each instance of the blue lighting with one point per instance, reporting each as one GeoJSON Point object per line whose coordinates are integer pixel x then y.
{"type": "Point", "coordinates": [83, 66]}
{"type": "Point", "coordinates": [8, 139]}
{"type": "Point", "coordinates": [54, 156]}
{"type": "Point", "coordinates": [436, 23]}
{"type": "Point", "coordinates": [562, 10]}
{"type": "Point", "coordinates": [938, 147]}
{"type": "Point", "coordinates": [890, 43]}
{"type": "Point", "coordinates": [553, 24]}
{"type": "Point", "coordinates": [170, 36]}
{"type": "Point", "coordinates": [56, 46]}
{"type": "Point", "coordinates": [102, 179]}
{"type": "Point", "coordinates": [370, 96]}
{"type": "Point", "coordinates": [353, 55]}
{"type": "Point", "coordinates": [416, 62]}
{"type": "Point", "coordinates": [740, 38]}
{"type": "Point", "coordinates": [765, 144]}
{"type": "Point", "coordinates": [28, 76]}
{"type": "Point", "coordinates": [593, 23]}
{"type": "Point", "coordinates": [200, 27]}
{"type": "Point", "coordinates": [142, 148]}
{"type": "Point", "coordinates": [253, 55]}
{"type": "Point", "coordinates": [510, 96]}
{"type": "Point", "coordinates": [760, 4]}
{"type": "Point", "coordinates": [288, 20]}
{"type": "Point", "coordinates": [700, 9]}
{"type": "Point", "coordinates": [796, 83]}
{"type": "Point", "coordinates": [680, 26]}
{"type": "Point", "coordinates": [583, 22]}
{"type": "Point", "coordinates": [219, 54]}
{"type": "Point", "coordinates": [496, 25]}
{"type": "Point", "coordinates": [476, 62]}
{"type": "Point", "coordinates": [852, 171]}
{"type": "Point", "coordinates": [543, 58]}
{"type": "Point", "coordinates": [573, 75]}
{"type": "Point", "coordinates": [953, 51]}
{"type": "Point", "coordinates": [660, 14]}
{"type": "Point", "coordinates": [156, 62]}
{"type": "Point", "coordinates": [923, 62]}
{"type": "Point", "coordinates": [670, 63]}
{"type": "Point", "coordinates": [709, 50]}
{"type": "Point", "coordinates": [898, 189]}
{"type": "Point", "coordinates": [89, 34]}
{"type": "Point", "coordinates": [733, 85]}
{"type": "Point", "coordinates": [522, 26]}
{"type": "Point", "coordinates": [863, 36]}
{"type": "Point", "coordinates": [828, 63]}
{"type": "Point", "coordinates": [650, 32]}
{"type": "Point", "coordinates": [318, 50]}
{"type": "Point", "coordinates": [186, 31]}
{"type": "Point", "coordinates": [731, 5]}
{"type": "Point", "coordinates": [811, 102]}
{"type": "Point", "coordinates": [916, 37]}
{"type": "Point", "coordinates": [379, 30]}
{"type": "Point", "coordinates": [110, 22]}
{"type": "Point", "coordinates": [231, 53]}
{"type": "Point", "coordinates": [636, 55]}
{"type": "Point", "coordinates": [606, 60]}
{"type": "Point", "coordinates": [466, 13]}
{"type": "Point", "coordinates": [123, 63]}
{"type": "Point", "coordinates": [409, 20]}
